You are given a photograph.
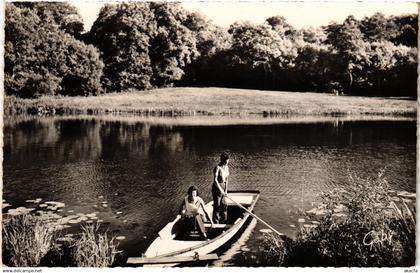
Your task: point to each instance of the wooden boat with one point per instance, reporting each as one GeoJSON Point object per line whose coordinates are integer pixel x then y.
{"type": "Point", "coordinates": [171, 248]}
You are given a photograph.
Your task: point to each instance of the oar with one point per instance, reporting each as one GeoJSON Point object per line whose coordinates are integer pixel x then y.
{"type": "Point", "coordinates": [255, 216]}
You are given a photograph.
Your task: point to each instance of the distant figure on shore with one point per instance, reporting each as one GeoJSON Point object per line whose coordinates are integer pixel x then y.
{"type": "Point", "coordinates": [219, 189]}
{"type": "Point", "coordinates": [190, 210]}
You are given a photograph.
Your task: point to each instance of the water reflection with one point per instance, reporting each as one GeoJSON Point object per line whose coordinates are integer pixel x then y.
{"type": "Point", "coordinates": [143, 169]}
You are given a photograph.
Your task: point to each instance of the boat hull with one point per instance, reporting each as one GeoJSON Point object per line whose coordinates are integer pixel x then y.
{"type": "Point", "coordinates": [167, 246]}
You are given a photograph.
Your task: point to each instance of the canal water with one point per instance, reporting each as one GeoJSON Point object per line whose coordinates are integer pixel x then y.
{"type": "Point", "coordinates": [132, 174]}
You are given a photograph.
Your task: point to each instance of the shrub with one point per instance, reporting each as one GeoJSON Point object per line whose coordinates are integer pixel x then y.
{"type": "Point", "coordinates": [364, 224]}
{"type": "Point", "coordinates": [42, 59]}
{"type": "Point", "coordinates": [26, 239]}
{"type": "Point", "coordinates": [93, 249]}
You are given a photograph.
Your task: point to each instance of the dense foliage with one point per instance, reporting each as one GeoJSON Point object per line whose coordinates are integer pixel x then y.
{"type": "Point", "coordinates": [41, 58]}
{"type": "Point", "coordinates": [364, 224]}
{"type": "Point", "coordinates": [141, 45]}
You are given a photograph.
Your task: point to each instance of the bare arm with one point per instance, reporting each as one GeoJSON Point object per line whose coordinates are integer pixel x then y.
{"type": "Point", "coordinates": [215, 174]}
{"type": "Point", "coordinates": [227, 180]}
{"type": "Point", "coordinates": [205, 211]}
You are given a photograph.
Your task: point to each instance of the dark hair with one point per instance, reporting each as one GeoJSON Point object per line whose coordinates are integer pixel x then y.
{"type": "Point", "coordinates": [224, 157]}
{"type": "Point", "coordinates": [191, 189]}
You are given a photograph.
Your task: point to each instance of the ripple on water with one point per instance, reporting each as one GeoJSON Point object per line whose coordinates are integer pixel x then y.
{"type": "Point", "coordinates": [226, 258]}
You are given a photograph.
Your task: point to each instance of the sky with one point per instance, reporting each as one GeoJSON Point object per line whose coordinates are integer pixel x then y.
{"type": "Point", "coordinates": [298, 14]}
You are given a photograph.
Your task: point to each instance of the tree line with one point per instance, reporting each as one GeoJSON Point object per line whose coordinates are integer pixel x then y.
{"type": "Point", "coordinates": [138, 46]}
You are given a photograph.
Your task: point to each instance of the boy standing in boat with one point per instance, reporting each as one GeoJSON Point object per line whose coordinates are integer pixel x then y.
{"type": "Point", "coordinates": [219, 189]}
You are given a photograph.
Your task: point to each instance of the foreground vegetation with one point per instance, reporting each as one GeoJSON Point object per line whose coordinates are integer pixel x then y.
{"type": "Point", "coordinates": [29, 241]}
{"type": "Point", "coordinates": [213, 101]}
{"type": "Point", "coordinates": [364, 225]}
{"type": "Point", "coordinates": [149, 45]}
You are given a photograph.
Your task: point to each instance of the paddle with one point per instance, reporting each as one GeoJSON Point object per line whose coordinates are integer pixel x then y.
{"type": "Point", "coordinates": [253, 215]}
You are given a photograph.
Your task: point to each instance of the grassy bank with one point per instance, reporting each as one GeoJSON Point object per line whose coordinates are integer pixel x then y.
{"type": "Point", "coordinates": [212, 101]}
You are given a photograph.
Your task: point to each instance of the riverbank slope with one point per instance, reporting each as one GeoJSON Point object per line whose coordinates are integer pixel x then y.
{"type": "Point", "coordinates": [213, 101]}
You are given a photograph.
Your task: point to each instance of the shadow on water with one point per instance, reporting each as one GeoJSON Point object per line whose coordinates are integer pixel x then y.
{"type": "Point", "coordinates": [141, 170]}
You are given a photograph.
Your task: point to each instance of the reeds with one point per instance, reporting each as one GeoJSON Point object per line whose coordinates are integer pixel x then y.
{"type": "Point", "coordinates": [29, 241]}
{"type": "Point", "coordinates": [364, 224]}
{"type": "Point", "coordinates": [26, 239]}
{"type": "Point", "coordinates": [93, 249]}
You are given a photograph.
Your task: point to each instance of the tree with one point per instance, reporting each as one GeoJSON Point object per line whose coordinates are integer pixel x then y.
{"type": "Point", "coordinates": [173, 46]}
{"type": "Point", "coordinates": [279, 24]}
{"type": "Point", "coordinates": [257, 45]}
{"type": "Point", "coordinates": [378, 28]}
{"type": "Point", "coordinates": [211, 42]}
{"type": "Point", "coordinates": [143, 44]}
{"type": "Point", "coordinates": [407, 26]}
{"type": "Point", "coordinates": [347, 40]}
{"type": "Point", "coordinates": [210, 39]}
{"type": "Point", "coordinates": [42, 59]}
{"type": "Point", "coordinates": [314, 35]}
{"type": "Point", "coordinates": [63, 15]}
{"type": "Point", "coordinates": [122, 33]}
{"type": "Point", "coordinates": [383, 58]}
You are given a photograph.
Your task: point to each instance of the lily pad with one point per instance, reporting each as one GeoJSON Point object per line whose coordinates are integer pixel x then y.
{"type": "Point", "coordinates": [317, 211]}
{"type": "Point", "coordinates": [265, 230]}
{"type": "Point", "coordinates": [56, 204]}
{"type": "Point", "coordinates": [340, 208]}
{"type": "Point", "coordinates": [339, 215]}
{"type": "Point", "coordinates": [65, 239]}
{"type": "Point", "coordinates": [19, 210]}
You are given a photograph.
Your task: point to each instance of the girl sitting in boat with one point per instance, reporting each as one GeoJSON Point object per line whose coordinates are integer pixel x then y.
{"type": "Point", "coordinates": [190, 210]}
